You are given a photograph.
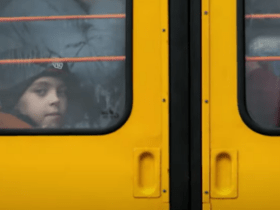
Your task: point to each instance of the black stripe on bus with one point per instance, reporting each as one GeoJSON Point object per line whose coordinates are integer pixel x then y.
{"type": "Point", "coordinates": [185, 105]}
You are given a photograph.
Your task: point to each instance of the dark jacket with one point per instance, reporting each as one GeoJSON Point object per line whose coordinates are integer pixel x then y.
{"type": "Point", "coordinates": [263, 96]}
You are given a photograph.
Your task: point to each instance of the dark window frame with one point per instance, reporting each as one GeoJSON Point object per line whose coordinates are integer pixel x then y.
{"type": "Point", "coordinates": [243, 111]}
{"type": "Point", "coordinates": [128, 96]}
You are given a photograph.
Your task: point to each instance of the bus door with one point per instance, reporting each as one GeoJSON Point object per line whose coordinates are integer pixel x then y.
{"type": "Point", "coordinates": [241, 89]}
{"type": "Point", "coordinates": [84, 105]}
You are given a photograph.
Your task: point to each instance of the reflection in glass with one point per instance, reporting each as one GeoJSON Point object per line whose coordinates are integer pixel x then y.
{"type": "Point", "coordinates": [262, 37]}
{"type": "Point", "coordinates": [64, 94]}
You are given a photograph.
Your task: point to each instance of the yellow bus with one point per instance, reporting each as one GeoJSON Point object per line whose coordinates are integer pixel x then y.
{"type": "Point", "coordinates": [139, 104]}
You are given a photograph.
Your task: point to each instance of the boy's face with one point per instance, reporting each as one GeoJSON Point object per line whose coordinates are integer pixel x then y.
{"type": "Point", "coordinates": [45, 102]}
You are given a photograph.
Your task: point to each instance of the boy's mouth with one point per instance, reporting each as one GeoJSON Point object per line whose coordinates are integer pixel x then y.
{"type": "Point", "coordinates": [55, 114]}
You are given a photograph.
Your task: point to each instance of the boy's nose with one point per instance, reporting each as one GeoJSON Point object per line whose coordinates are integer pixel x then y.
{"type": "Point", "coordinates": [53, 98]}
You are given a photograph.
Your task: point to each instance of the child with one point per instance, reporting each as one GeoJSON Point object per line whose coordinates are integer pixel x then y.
{"type": "Point", "coordinates": [41, 101]}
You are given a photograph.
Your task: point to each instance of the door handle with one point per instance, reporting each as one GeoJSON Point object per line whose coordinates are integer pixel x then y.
{"type": "Point", "coordinates": [146, 172]}
{"type": "Point", "coordinates": [224, 180]}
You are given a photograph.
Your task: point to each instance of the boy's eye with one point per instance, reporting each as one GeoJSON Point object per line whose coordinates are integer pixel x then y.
{"type": "Point", "coordinates": [41, 92]}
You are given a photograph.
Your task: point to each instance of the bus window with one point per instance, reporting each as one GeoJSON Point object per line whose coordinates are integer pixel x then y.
{"type": "Point", "coordinates": [262, 51]}
{"type": "Point", "coordinates": [64, 65]}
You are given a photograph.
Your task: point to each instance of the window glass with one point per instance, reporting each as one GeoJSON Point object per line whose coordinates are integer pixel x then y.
{"type": "Point", "coordinates": [262, 49]}
{"type": "Point", "coordinates": [63, 64]}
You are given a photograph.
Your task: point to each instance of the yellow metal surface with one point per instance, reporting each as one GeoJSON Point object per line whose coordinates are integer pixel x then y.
{"type": "Point", "coordinates": [206, 206]}
{"type": "Point", "coordinates": [165, 99]}
{"type": "Point", "coordinates": [224, 173]}
{"type": "Point", "coordinates": [96, 172]}
{"type": "Point", "coordinates": [258, 165]}
{"type": "Point", "coordinates": [165, 206]}
{"type": "Point", "coordinates": [205, 101]}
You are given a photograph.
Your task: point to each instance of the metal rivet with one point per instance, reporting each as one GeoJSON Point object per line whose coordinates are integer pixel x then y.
{"type": "Point", "coordinates": [163, 100]}
{"type": "Point", "coordinates": [206, 12]}
{"type": "Point", "coordinates": [206, 192]}
{"type": "Point", "coordinates": [164, 191]}
{"type": "Point", "coordinates": [206, 101]}
{"type": "Point", "coordinates": [163, 30]}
